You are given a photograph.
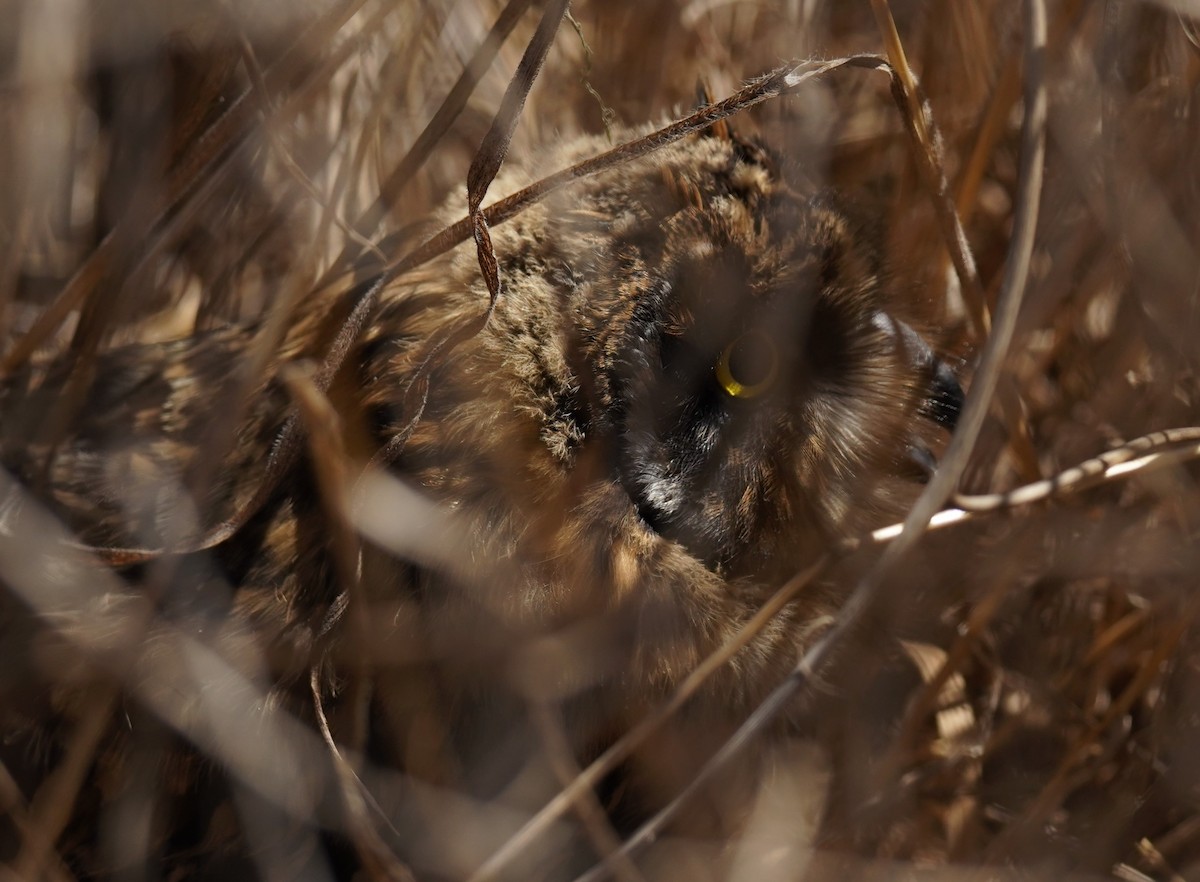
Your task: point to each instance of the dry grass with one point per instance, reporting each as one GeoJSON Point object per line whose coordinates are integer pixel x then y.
{"type": "Point", "coordinates": [174, 167]}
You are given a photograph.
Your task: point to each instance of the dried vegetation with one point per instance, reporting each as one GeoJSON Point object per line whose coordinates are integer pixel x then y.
{"type": "Point", "coordinates": [171, 167]}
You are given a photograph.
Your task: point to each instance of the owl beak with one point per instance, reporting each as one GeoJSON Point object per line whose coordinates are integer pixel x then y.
{"type": "Point", "coordinates": [942, 400]}
{"type": "Point", "coordinates": [942, 404]}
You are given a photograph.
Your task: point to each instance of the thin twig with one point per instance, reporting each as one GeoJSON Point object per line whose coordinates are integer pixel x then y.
{"type": "Point", "coordinates": [928, 152]}
{"type": "Point", "coordinates": [378, 861]}
{"type": "Point", "coordinates": [55, 800]}
{"type": "Point", "coordinates": [327, 452]}
{"type": "Point", "coordinates": [12, 804]}
{"type": "Point", "coordinates": [863, 603]}
{"type": "Point", "coordinates": [958, 453]}
{"type": "Point", "coordinates": [493, 149]}
{"type": "Point", "coordinates": [1136, 455]}
{"type": "Point", "coordinates": [974, 412]}
{"type": "Point", "coordinates": [647, 726]}
{"type": "Point", "coordinates": [762, 717]}
{"type": "Point", "coordinates": [591, 813]}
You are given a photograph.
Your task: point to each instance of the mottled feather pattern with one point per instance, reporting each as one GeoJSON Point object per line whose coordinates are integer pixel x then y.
{"type": "Point", "coordinates": [602, 486]}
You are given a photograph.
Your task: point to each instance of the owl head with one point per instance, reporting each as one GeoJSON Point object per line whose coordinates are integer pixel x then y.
{"type": "Point", "coordinates": [758, 395]}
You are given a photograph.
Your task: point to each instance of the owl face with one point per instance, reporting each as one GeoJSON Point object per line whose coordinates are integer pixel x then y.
{"type": "Point", "coordinates": [758, 398]}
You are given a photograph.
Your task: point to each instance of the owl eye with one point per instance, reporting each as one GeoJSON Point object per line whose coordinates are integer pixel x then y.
{"type": "Point", "coordinates": [748, 366]}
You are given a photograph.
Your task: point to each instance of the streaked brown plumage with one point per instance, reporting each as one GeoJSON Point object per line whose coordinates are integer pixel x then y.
{"type": "Point", "coordinates": [691, 386]}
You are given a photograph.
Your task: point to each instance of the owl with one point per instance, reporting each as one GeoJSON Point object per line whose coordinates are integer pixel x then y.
{"type": "Point", "coordinates": [694, 381]}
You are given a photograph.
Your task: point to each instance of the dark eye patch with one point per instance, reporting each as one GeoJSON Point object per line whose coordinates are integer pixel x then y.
{"type": "Point", "coordinates": [826, 344]}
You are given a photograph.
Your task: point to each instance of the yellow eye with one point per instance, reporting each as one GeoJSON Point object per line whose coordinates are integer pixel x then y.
{"type": "Point", "coordinates": [748, 366]}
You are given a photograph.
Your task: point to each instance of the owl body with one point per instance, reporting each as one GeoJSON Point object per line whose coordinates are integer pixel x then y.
{"type": "Point", "coordinates": [690, 386]}
{"type": "Point", "coordinates": [588, 424]}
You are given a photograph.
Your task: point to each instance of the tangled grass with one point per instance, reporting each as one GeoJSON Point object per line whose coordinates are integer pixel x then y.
{"type": "Point", "coordinates": [1035, 707]}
